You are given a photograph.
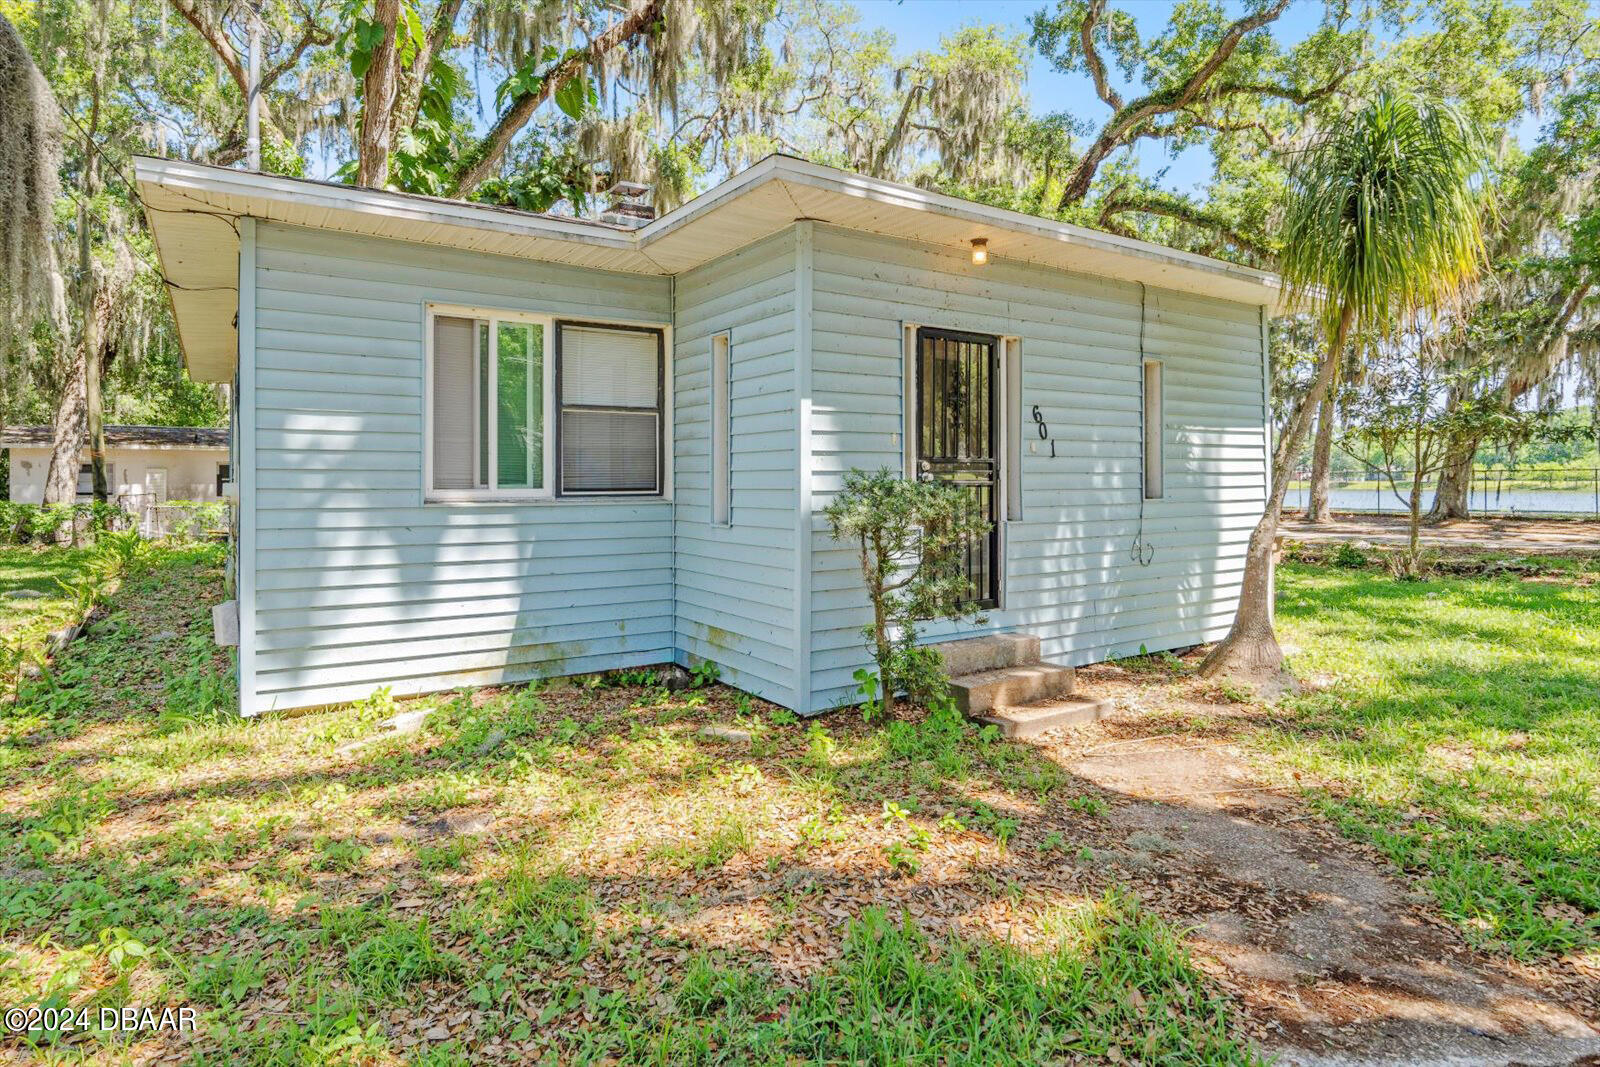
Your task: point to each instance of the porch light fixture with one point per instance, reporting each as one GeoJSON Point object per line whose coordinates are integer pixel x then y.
{"type": "Point", "coordinates": [980, 250]}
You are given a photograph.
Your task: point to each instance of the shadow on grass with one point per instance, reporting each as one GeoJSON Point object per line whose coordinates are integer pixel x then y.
{"type": "Point", "coordinates": [650, 893]}
{"type": "Point", "coordinates": [1462, 740]}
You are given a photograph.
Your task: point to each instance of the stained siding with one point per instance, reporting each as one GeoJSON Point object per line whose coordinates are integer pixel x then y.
{"type": "Point", "coordinates": [1070, 576]}
{"type": "Point", "coordinates": [358, 583]}
{"type": "Point", "coordinates": [736, 583]}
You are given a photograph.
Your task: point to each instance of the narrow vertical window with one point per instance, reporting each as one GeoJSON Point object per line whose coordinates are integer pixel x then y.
{"type": "Point", "coordinates": [721, 430]}
{"type": "Point", "coordinates": [482, 407]}
{"type": "Point", "coordinates": [1012, 407]}
{"type": "Point", "coordinates": [908, 402]}
{"type": "Point", "coordinates": [1154, 431]}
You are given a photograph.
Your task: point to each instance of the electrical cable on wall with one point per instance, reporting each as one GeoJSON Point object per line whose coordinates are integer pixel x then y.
{"type": "Point", "coordinates": [1142, 552]}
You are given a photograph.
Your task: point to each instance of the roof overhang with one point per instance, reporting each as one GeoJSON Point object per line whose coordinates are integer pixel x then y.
{"type": "Point", "coordinates": [194, 210]}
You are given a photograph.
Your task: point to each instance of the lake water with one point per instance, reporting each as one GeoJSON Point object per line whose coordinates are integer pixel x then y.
{"type": "Point", "coordinates": [1505, 502]}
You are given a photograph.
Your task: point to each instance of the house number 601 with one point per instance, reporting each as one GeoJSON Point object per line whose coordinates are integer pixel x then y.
{"type": "Point", "coordinates": [1044, 429]}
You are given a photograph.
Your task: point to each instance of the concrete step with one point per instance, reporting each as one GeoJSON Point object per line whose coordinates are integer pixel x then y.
{"type": "Point", "coordinates": [973, 654]}
{"type": "Point", "coordinates": [1031, 719]}
{"type": "Point", "coordinates": [1025, 683]}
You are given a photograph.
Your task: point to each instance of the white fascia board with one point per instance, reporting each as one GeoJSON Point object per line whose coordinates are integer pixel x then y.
{"type": "Point", "coordinates": [893, 193]}
{"type": "Point", "coordinates": [256, 189]}
{"type": "Point", "coordinates": [711, 199]}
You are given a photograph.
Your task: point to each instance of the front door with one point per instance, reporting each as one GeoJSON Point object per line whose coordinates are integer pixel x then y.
{"type": "Point", "coordinates": [956, 437]}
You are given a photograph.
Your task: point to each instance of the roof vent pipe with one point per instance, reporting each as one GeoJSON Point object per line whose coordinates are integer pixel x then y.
{"type": "Point", "coordinates": [628, 204]}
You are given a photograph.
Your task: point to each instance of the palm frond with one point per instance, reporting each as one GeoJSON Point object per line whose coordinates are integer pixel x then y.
{"type": "Point", "coordinates": [1387, 215]}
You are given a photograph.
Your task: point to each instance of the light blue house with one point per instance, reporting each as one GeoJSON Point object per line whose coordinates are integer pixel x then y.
{"type": "Point", "coordinates": [477, 445]}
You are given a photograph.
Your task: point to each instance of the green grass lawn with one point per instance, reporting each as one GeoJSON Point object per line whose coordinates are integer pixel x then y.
{"type": "Point", "coordinates": [1455, 724]}
{"type": "Point", "coordinates": [578, 874]}
{"type": "Point", "coordinates": [36, 569]}
{"type": "Point", "coordinates": [584, 874]}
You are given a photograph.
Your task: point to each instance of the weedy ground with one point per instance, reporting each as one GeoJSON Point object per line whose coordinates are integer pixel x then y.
{"type": "Point", "coordinates": [585, 873]}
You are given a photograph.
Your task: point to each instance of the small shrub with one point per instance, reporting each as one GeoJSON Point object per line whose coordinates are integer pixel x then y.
{"type": "Point", "coordinates": [910, 536]}
{"type": "Point", "coordinates": [1347, 555]}
{"type": "Point", "coordinates": [703, 674]}
{"type": "Point", "coordinates": [902, 860]}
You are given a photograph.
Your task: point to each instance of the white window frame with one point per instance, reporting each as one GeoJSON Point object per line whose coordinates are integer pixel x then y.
{"type": "Point", "coordinates": [493, 317]}
{"type": "Point", "coordinates": [1153, 467]}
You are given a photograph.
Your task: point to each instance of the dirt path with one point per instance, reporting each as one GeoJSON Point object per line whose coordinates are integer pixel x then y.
{"type": "Point", "coordinates": [1310, 931]}
{"type": "Point", "coordinates": [1541, 536]}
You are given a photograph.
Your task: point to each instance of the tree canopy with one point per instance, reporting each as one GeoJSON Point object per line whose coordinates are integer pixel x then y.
{"type": "Point", "coordinates": [542, 105]}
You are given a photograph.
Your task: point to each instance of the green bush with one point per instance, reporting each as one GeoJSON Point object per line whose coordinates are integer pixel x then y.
{"type": "Point", "coordinates": [909, 535]}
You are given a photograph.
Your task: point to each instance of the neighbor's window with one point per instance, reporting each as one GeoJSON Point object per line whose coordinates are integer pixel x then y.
{"type": "Point", "coordinates": [1154, 419]}
{"type": "Point", "coordinates": [519, 404]}
{"type": "Point", "coordinates": [86, 480]}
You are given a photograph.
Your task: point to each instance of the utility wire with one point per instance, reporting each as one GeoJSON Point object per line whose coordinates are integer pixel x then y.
{"type": "Point", "coordinates": [133, 194]}
{"type": "Point", "coordinates": [1142, 552]}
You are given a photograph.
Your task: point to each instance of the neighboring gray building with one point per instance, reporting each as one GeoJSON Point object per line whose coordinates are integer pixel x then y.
{"type": "Point", "coordinates": [478, 445]}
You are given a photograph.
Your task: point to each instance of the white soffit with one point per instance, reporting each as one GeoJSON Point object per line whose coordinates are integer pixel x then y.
{"type": "Point", "coordinates": [192, 209]}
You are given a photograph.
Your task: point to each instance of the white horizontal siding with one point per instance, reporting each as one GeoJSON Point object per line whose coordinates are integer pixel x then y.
{"type": "Point", "coordinates": [1069, 573]}
{"type": "Point", "coordinates": [735, 583]}
{"type": "Point", "coordinates": [358, 584]}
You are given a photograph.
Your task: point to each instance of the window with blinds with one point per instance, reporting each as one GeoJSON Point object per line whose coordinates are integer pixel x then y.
{"type": "Point", "coordinates": [611, 387]}
{"type": "Point", "coordinates": [522, 406]}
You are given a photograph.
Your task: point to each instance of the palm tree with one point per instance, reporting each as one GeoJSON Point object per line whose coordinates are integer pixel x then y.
{"type": "Point", "coordinates": [1383, 222]}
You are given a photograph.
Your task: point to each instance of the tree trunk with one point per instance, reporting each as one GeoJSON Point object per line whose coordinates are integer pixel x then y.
{"type": "Point", "coordinates": [94, 407]}
{"type": "Point", "coordinates": [1321, 460]}
{"type": "Point", "coordinates": [61, 481]}
{"type": "Point", "coordinates": [1414, 541]}
{"type": "Point", "coordinates": [1251, 647]}
{"type": "Point", "coordinates": [378, 91]}
{"type": "Point", "coordinates": [1453, 497]}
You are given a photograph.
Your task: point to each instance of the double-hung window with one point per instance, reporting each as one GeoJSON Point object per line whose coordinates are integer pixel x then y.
{"type": "Point", "coordinates": [610, 385]}
{"type": "Point", "coordinates": [524, 407]}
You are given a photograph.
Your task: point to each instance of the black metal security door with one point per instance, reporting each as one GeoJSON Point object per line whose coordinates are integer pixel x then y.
{"type": "Point", "coordinates": [956, 438]}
